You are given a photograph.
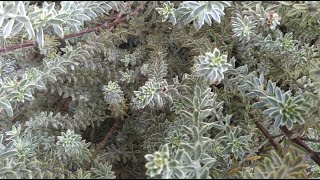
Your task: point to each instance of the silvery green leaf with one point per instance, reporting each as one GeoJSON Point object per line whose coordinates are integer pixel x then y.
{"type": "Point", "coordinates": [178, 155]}
{"type": "Point", "coordinates": [272, 101]}
{"type": "Point", "coordinates": [58, 30]}
{"type": "Point", "coordinates": [55, 21]}
{"type": "Point", "coordinates": [186, 101]}
{"type": "Point", "coordinates": [198, 152]}
{"type": "Point", "coordinates": [195, 133]}
{"type": "Point", "coordinates": [186, 129]}
{"type": "Point", "coordinates": [187, 147]}
{"type": "Point", "coordinates": [215, 16]}
{"type": "Point", "coordinates": [195, 118]}
{"type": "Point", "coordinates": [209, 162]}
{"type": "Point", "coordinates": [50, 7]}
{"type": "Point", "coordinates": [204, 114]}
{"type": "Point", "coordinates": [278, 94]}
{"type": "Point", "coordinates": [173, 164]}
{"type": "Point", "coordinates": [62, 16]}
{"type": "Point", "coordinates": [300, 6]}
{"type": "Point", "coordinates": [7, 154]}
{"type": "Point", "coordinates": [22, 19]}
{"type": "Point", "coordinates": [197, 91]}
{"type": "Point", "coordinates": [204, 173]}
{"type": "Point", "coordinates": [41, 85]}
{"type": "Point", "coordinates": [30, 30]}
{"type": "Point", "coordinates": [186, 114]}
{"type": "Point", "coordinates": [83, 17]}
{"type": "Point", "coordinates": [34, 14]}
{"type": "Point", "coordinates": [7, 28]}
{"type": "Point", "coordinates": [8, 8]}
{"type": "Point", "coordinates": [5, 104]}
{"type": "Point", "coordinates": [40, 37]}
{"type": "Point", "coordinates": [74, 22]}
{"type": "Point", "coordinates": [196, 103]}
{"type": "Point", "coordinates": [1, 20]}
{"type": "Point", "coordinates": [259, 104]}
{"type": "Point", "coordinates": [186, 157]}
{"type": "Point", "coordinates": [205, 128]}
{"type": "Point", "coordinates": [65, 5]}
{"type": "Point", "coordinates": [28, 96]}
{"type": "Point", "coordinates": [52, 78]}
{"type": "Point", "coordinates": [16, 29]}
{"type": "Point", "coordinates": [21, 8]}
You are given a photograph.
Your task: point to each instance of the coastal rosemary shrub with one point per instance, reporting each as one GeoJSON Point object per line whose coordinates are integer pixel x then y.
{"type": "Point", "coordinates": [159, 89]}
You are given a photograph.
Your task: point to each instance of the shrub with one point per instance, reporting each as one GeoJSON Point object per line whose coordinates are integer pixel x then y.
{"type": "Point", "coordinates": [159, 89]}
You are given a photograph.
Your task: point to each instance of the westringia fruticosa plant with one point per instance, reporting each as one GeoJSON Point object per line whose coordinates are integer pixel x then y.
{"type": "Point", "coordinates": [159, 89]}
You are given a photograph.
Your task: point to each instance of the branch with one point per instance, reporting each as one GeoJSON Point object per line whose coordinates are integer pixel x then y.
{"type": "Point", "coordinates": [109, 26]}
{"type": "Point", "coordinates": [267, 136]}
{"type": "Point", "coordinates": [297, 140]}
{"type": "Point", "coordinates": [116, 125]}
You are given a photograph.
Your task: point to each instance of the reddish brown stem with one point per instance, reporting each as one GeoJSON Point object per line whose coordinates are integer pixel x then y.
{"type": "Point", "coordinates": [297, 140]}
{"type": "Point", "coordinates": [267, 136]}
{"type": "Point", "coordinates": [101, 145]}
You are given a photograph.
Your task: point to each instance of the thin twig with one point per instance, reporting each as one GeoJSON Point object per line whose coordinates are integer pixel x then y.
{"type": "Point", "coordinates": [267, 135]}
{"type": "Point", "coordinates": [101, 145]}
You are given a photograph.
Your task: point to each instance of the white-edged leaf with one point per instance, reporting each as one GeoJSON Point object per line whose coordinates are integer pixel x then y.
{"type": "Point", "coordinates": [8, 28]}
{"type": "Point", "coordinates": [21, 8]}
{"type": "Point", "coordinates": [30, 30]}
{"type": "Point", "coordinates": [40, 37]}
{"type": "Point", "coordinates": [23, 19]}
{"type": "Point", "coordinates": [5, 104]}
{"type": "Point", "coordinates": [1, 20]}
{"type": "Point", "coordinates": [55, 21]}
{"type": "Point", "coordinates": [58, 30]}
{"type": "Point", "coordinates": [16, 29]}
{"type": "Point", "coordinates": [8, 8]}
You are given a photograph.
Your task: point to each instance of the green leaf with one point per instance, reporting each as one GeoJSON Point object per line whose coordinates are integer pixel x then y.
{"type": "Point", "coordinates": [7, 154]}
{"type": "Point", "coordinates": [293, 12]}
{"type": "Point", "coordinates": [40, 37]}
{"type": "Point", "coordinates": [7, 28]}
{"type": "Point", "coordinates": [209, 163]}
{"type": "Point", "coordinates": [195, 118]}
{"type": "Point", "coordinates": [198, 151]}
{"type": "Point", "coordinates": [196, 103]}
{"type": "Point", "coordinates": [197, 91]}
{"type": "Point", "coordinates": [300, 6]}
{"type": "Point", "coordinates": [74, 22]}
{"type": "Point", "coordinates": [186, 114]}
{"type": "Point", "coordinates": [5, 104]}
{"type": "Point", "coordinates": [54, 21]}
{"type": "Point", "coordinates": [195, 133]}
{"type": "Point", "coordinates": [21, 8]}
{"type": "Point", "coordinates": [204, 173]}
{"type": "Point", "coordinates": [186, 101]}
{"type": "Point", "coordinates": [187, 147]}
{"type": "Point", "coordinates": [30, 30]}
{"type": "Point", "coordinates": [23, 19]}
{"type": "Point", "coordinates": [186, 129]}
{"type": "Point", "coordinates": [286, 3]}
{"type": "Point", "coordinates": [16, 29]}
{"type": "Point", "coordinates": [8, 8]}
{"type": "Point", "coordinates": [58, 30]}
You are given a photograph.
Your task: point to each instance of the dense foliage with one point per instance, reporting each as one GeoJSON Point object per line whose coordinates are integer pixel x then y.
{"type": "Point", "coordinates": [159, 89]}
